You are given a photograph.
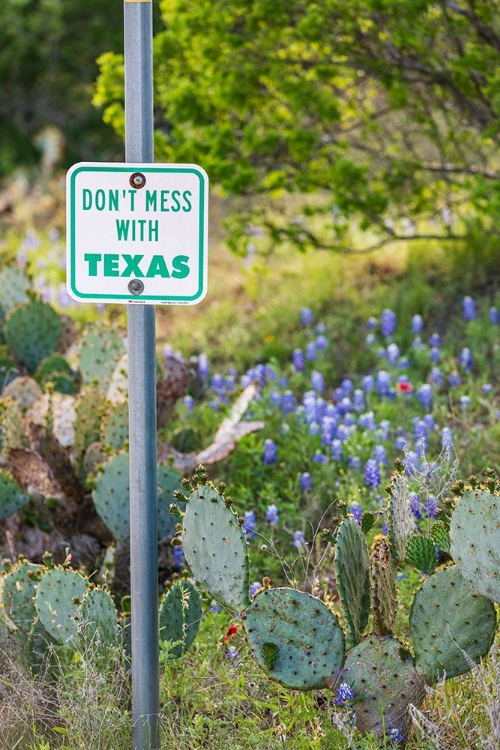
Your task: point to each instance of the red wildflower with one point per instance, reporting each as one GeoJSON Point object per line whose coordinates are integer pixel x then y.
{"type": "Point", "coordinates": [404, 387]}
{"type": "Point", "coordinates": [231, 631]}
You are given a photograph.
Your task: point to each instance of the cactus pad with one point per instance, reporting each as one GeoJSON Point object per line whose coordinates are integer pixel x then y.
{"type": "Point", "coordinates": [32, 332]}
{"type": "Point", "coordinates": [17, 594]}
{"type": "Point", "coordinates": [15, 286]}
{"type": "Point", "coordinates": [401, 519]}
{"type": "Point", "coordinates": [12, 498]}
{"type": "Point", "coordinates": [475, 541]}
{"type": "Point", "coordinates": [216, 548]}
{"type": "Point", "coordinates": [114, 428]}
{"type": "Point", "coordinates": [56, 369]}
{"type": "Point", "coordinates": [421, 552]}
{"type": "Point", "coordinates": [180, 616]}
{"type": "Point", "coordinates": [88, 408]}
{"type": "Point", "coordinates": [58, 595]}
{"type": "Point", "coordinates": [168, 481]}
{"type": "Point", "coordinates": [381, 671]}
{"type": "Point", "coordinates": [98, 617]}
{"type": "Point", "coordinates": [384, 591]}
{"type": "Point", "coordinates": [111, 496]}
{"type": "Point", "coordinates": [23, 390]}
{"type": "Point", "coordinates": [352, 568]}
{"type": "Point", "coordinates": [294, 637]}
{"type": "Point", "coordinates": [100, 349]}
{"type": "Point", "coordinates": [449, 622]}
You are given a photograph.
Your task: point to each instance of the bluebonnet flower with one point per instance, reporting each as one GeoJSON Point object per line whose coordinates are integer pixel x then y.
{"type": "Point", "coordinates": [400, 443]}
{"type": "Point", "coordinates": [425, 396]}
{"type": "Point", "coordinates": [178, 557]}
{"type": "Point", "coordinates": [367, 420]}
{"type": "Point", "coordinates": [356, 510]}
{"type": "Point", "coordinates": [403, 363]}
{"type": "Point", "coordinates": [317, 381]}
{"type": "Point", "coordinates": [371, 323]}
{"type": "Point", "coordinates": [298, 360]}
{"type": "Point", "coordinates": [430, 507]}
{"type": "Point", "coordinates": [429, 422]}
{"type": "Point", "coordinates": [337, 450]}
{"type": "Point", "coordinates": [254, 587]}
{"type": "Point", "coordinates": [401, 576]}
{"type": "Point", "coordinates": [306, 316]}
{"type": "Point", "coordinates": [345, 405]}
{"type": "Point", "coordinates": [347, 387]}
{"type": "Point", "coordinates": [270, 454]}
{"type": "Point", "coordinates": [232, 654]}
{"type": "Point", "coordinates": [446, 438]}
{"type": "Point", "coordinates": [464, 403]}
{"type": "Point", "coordinates": [338, 394]}
{"type": "Point", "coordinates": [272, 515]}
{"type": "Point", "coordinates": [436, 377]}
{"type": "Point", "coordinates": [380, 454]}
{"type": "Point", "coordinates": [394, 735]}
{"type": "Point", "coordinates": [368, 383]}
{"type": "Point", "coordinates": [370, 339]}
{"type": "Point", "coordinates": [468, 308]}
{"type": "Point", "coordinates": [388, 322]}
{"type": "Point", "coordinates": [486, 388]}
{"type": "Point", "coordinates": [494, 316]}
{"type": "Point", "coordinates": [372, 474]}
{"type": "Point", "coordinates": [349, 420]}
{"type": "Point", "coordinates": [288, 404]}
{"type": "Point", "coordinates": [188, 403]}
{"type": "Point", "coordinates": [344, 432]}
{"type": "Point", "coordinates": [382, 353]}
{"type": "Point", "coordinates": [314, 429]}
{"type": "Point", "coordinates": [215, 405]}
{"type": "Point", "coordinates": [319, 457]}
{"type": "Point", "coordinates": [354, 462]}
{"type": "Point", "coordinates": [283, 382]}
{"type": "Point", "coordinates": [466, 359]}
{"type": "Point", "coordinates": [275, 397]}
{"type": "Point", "coordinates": [435, 355]}
{"type": "Point", "coordinates": [321, 343]}
{"type": "Point", "coordinates": [435, 339]}
{"type": "Point", "coordinates": [203, 367]}
{"type": "Point", "coordinates": [329, 430]}
{"type": "Point", "coordinates": [392, 353]}
{"type": "Point", "coordinates": [299, 541]}
{"type": "Point", "coordinates": [344, 694]}
{"type": "Point", "coordinates": [454, 379]}
{"type": "Point", "coordinates": [417, 324]}
{"type": "Point", "coordinates": [214, 607]}
{"type": "Point", "coordinates": [421, 432]}
{"type": "Point", "coordinates": [417, 343]}
{"type": "Point", "coordinates": [411, 460]}
{"type": "Point", "coordinates": [305, 481]}
{"type": "Point", "coordinates": [320, 328]}
{"type": "Point", "coordinates": [358, 400]}
{"type": "Point", "coordinates": [218, 384]}
{"type": "Point", "coordinates": [311, 353]}
{"type": "Point", "coordinates": [383, 383]}
{"type": "Point", "coordinates": [384, 429]}
{"type": "Point", "coordinates": [249, 524]}
{"type": "Point", "coordinates": [22, 259]}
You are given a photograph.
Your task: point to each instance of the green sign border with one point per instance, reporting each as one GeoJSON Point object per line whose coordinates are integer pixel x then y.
{"type": "Point", "coordinates": [131, 168]}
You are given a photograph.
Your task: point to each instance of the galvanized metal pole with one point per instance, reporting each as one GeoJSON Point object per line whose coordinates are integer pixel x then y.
{"type": "Point", "coordinates": [142, 403]}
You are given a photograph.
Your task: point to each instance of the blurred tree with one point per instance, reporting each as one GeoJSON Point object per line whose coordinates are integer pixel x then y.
{"type": "Point", "coordinates": [386, 110]}
{"type": "Point", "coordinates": [48, 51]}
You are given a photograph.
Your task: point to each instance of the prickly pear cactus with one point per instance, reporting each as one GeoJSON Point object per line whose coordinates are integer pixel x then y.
{"type": "Point", "coordinates": [89, 406]}
{"type": "Point", "coordinates": [23, 390]}
{"type": "Point", "coordinates": [216, 548]}
{"type": "Point", "coordinates": [58, 596]}
{"type": "Point", "coordinates": [352, 568]}
{"type": "Point", "coordinates": [17, 595]}
{"type": "Point", "coordinates": [32, 332]}
{"type": "Point", "coordinates": [8, 370]}
{"type": "Point", "coordinates": [114, 427]}
{"type": "Point", "coordinates": [111, 496]}
{"type": "Point", "coordinates": [100, 349]}
{"type": "Point", "coordinates": [12, 433]}
{"type": "Point", "coordinates": [451, 625]}
{"type": "Point", "coordinates": [15, 286]}
{"type": "Point", "coordinates": [382, 673]}
{"type": "Point", "coordinates": [294, 637]}
{"type": "Point", "coordinates": [475, 540]}
{"type": "Point", "coordinates": [384, 591]}
{"type": "Point", "coordinates": [56, 370]}
{"type": "Point", "coordinates": [401, 519]}
{"type": "Point", "coordinates": [421, 552]}
{"type": "Point", "coordinates": [97, 618]}
{"type": "Point", "coordinates": [12, 498]}
{"type": "Point", "coordinates": [180, 616]}
{"type": "Point", "coordinates": [38, 648]}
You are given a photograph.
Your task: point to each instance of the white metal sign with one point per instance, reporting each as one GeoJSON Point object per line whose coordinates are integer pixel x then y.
{"type": "Point", "coordinates": [137, 233]}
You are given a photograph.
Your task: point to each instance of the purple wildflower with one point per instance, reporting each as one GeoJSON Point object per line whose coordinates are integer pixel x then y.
{"type": "Point", "coordinates": [311, 353]}
{"type": "Point", "coordinates": [383, 383]}
{"type": "Point", "coordinates": [344, 694]}
{"type": "Point", "coordinates": [380, 454]}
{"type": "Point", "coordinates": [371, 323]}
{"type": "Point", "coordinates": [305, 481]}
{"type": "Point", "coordinates": [394, 735]}
{"type": "Point", "coordinates": [486, 388]}
{"type": "Point", "coordinates": [298, 360]}
{"type": "Point", "coordinates": [436, 376]}
{"type": "Point", "coordinates": [446, 438]}
{"type": "Point", "coordinates": [424, 395]}
{"type": "Point", "coordinates": [317, 381]}
{"type": "Point", "coordinates": [367, 420]}
{"type": "Point", "coordinates": [430, 507]}
{"type": "Point", "coordinates": [270, 454]}
{"type": "Point", "coordinates": [392, 353]}
{"type": "Point", "coordinates": [254, 587]}
{"type": "Point", "coordinates": [337, 451]}
{"type": "Point", "coordinates": [372, 474]}
{"type": "Point", "coordinates": [354, 462]}
{"type": "Point", "coordinates": [203, 367]}
{"type": "Point", "coordinates": [188, 402]}
{"type": "Point", "coordinates": [319, 457]}
{"type": "Point", "coordinates": [232, 654]}
{"type": "Point", "coordinates": [288, 404]}
{"type": "Point", "coordinates": [306, 316]}
{"type": "Point", "coordinates": [299, 541]}
{"type": "Point", "coordinates": [272, 515]}
{"type": "Point", "coordinates": [249, 524]}
{"type": "Point", "coordinates": [464, 403]}
{"type": "Point", "coordinates": [214, 607]}
{"type": "Point", "coordinates": [435, 355]}
{"type": "Point", "coordinates": [468, 308]}
{"type": "Point", "coordinates": [417, 324]}
{"type": "Point", "coordinates": [178, 557]}
{"type": "Point", "coordinates": [356, 510]}
{"type": "Point", "coordinates": [454, 379]}
{"type": "Point", "coordinates": [321, 342]}
{"type": "Point", "coordinates": [388, 322]}
{"type": "Point", "coordinates": [435, 339]}
{"type": "Point", "coordinates": [466, 359]}
{"type": "Point", "coordinates": [368, 383]}
{"type": "Point", "coordinates": [358, 400]}
{"type": "Point", "coordinates": [494, 316]}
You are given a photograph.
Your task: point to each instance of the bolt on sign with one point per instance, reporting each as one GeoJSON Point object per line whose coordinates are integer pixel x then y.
{"type": "Point", "coordinates": [137, 233]}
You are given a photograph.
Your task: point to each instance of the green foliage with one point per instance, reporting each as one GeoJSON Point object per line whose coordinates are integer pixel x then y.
{"type": "Point", "coordinates": [254, 93]}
